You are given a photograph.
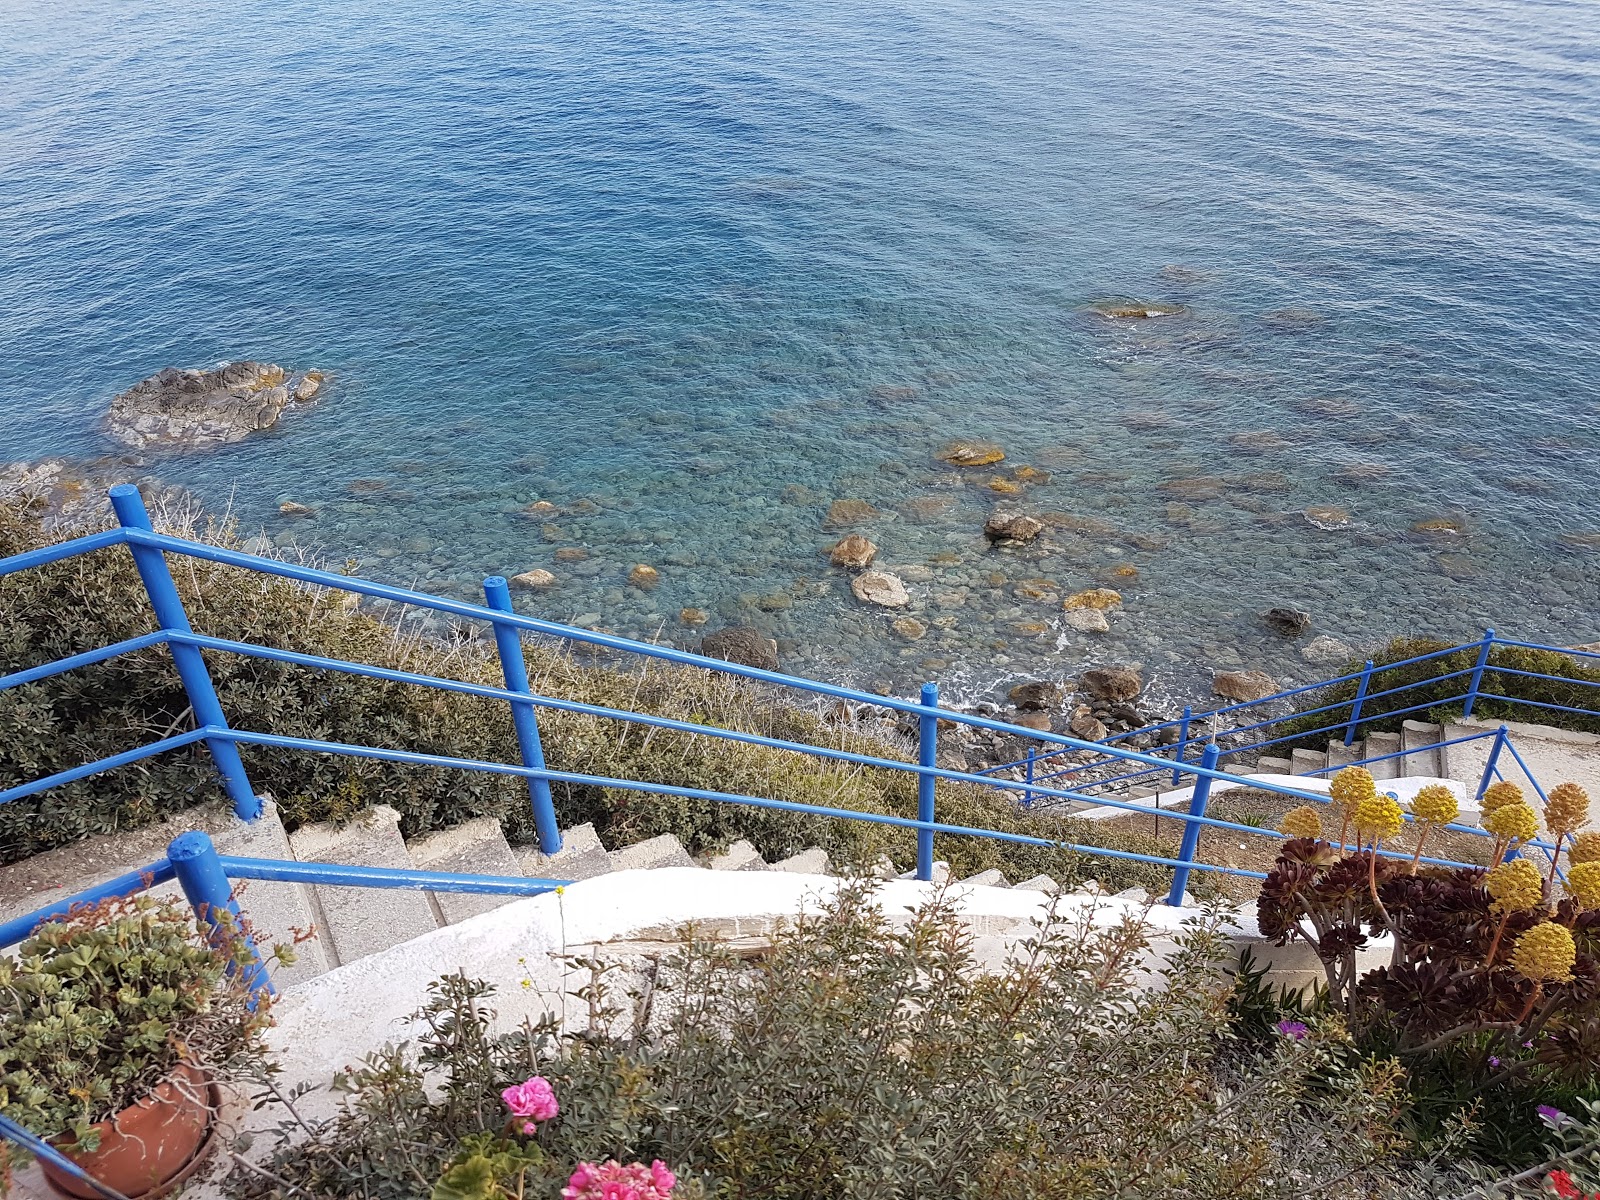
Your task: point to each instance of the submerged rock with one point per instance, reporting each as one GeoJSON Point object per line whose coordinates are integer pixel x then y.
{"type": "Point", "coordinates": [1326, 651]}
{"type": "Point", "coordinates": [1011, 527]}
{"type": "Point", "coordinates": [1326, 516]}
{"type": "Point", "coordinates": [970, 454]}
{"type": "Point", "coordinates": [290, 508]}
{"type": "Point", "coordinates": [1114, 684]}
{"type": "Point", "coordinates": [1291, 622]}
{"type": "Point", "coordinates": [1097, 598]}
{"type": "Point", "coordinates": [742, 644]}
{"type": "Point", "coordinates": [194, 410]}
{"type": "Point", "coordinates": [1036, 697]}
{"type": "Point", "coordinates": [848, 512]}
{"type": "Point", "coordinates": [1086, 620]}
{"type": "Point", "coordinates": [535, 580]}
{"type": "Point", "coordinates": [1134, 310]}
{"type": "Point", "coordinates": [880, 588]}
{"type": "Point", "coordinates": [693, 616]}
{"type": "Point", "coordinates": [644, 576]}
{"type": "Point", "coordinates": [909, 628]}
{"type": "Point", "coordinates": [853, 552]}
{"type": "Point", "coordinates": [1243, 686]}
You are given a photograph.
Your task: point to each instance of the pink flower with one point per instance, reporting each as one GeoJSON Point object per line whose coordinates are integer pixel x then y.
{"type": "Point", "coordinates": [613, 1181]}
{"type": "Point", "coordinates": [534, 1099]}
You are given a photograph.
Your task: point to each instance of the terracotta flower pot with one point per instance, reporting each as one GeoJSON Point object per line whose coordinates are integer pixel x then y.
{"type": "Point", "coordinates": [149, 1146]}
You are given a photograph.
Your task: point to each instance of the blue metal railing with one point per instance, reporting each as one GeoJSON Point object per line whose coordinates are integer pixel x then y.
{"type": "Point", "coordinates": [1348, 725]}
{"type": "Point", "coordinates": [187, 646]}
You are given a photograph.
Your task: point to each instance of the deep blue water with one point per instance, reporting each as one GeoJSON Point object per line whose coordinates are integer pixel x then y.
{"type": "Point", "coordinates": [712, 265]}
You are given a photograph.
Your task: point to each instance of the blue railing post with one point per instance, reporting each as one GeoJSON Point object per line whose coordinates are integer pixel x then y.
{"type": "Point", "coordinates": [927, 756]}
{"type": "Point", "coordinates": [508, 641]}
{"type": "Point", "coordinates": [1027, 792]}
{"type": "Point", "coordinates": [1191, 829]}
{"type": "Point", "coordinates": [1492, 767]}
{"type": "Point", "coordinates": [1477, 671]}
{"type": "Point", "coordinates": [1355, 708]}
{"type": "Point", "coordinates": [206, 887]}
{"type": "Point", "coordinates": [168, 608]}
{"type": "Point", "coordinates": [1181, 756]}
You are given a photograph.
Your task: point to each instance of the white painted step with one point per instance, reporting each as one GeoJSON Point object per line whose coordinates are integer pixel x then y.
{"type": "Point", "coordinates": [582, 856]}
{"type": "Point", "coordinates": [275, 910]}
{"type": "Point", "coordinates": [1307, 762]}
{"type": "Point", "coordinates": [993, 877]}
{"type": "Point", "coordinates": [356, 921]}
{"type": "Point", "coordinates": [1340, 755]}
{"type": "Point", "coordinates": [741, 856]}
{"type": "Point", "coordinates": [477, 847]}
{"type": "Point", "coordinates": [1383, 743]}
{"type": "Point", "coordinates": [663, 851]}
{"type": "Point", "coordinates": [1421, 740]}
{"type": "Point", "coordinates": [813, 862]}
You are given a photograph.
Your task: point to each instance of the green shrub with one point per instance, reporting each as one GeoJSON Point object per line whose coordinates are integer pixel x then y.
{"type": "Point", "coordinates": [1423, 686]}
{"type": "Point", "coordinates": [90, 601]}
{"type": "Point", "coordinates": [863, 1059]}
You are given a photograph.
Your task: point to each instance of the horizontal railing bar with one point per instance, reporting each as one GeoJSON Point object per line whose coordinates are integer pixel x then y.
{"type": "Point", "coordinates": [175, 742]}
{"type": "Point", "coordinates": [18, 928]}
{"type": "Point", "coordinates": [666, 789]}
{"type": "Point", "coordinates": [1582, 712]}
{"type": "Point", "coordinates": [46, 555]}
{"type": "Point", "coordinates": [1568, 650]}
{"type": "Point", "coordinates": [279, 870]}
{"type": "Point", "coordinates": [1588, 683]}
{"type": "Point", "coordinates": [87, 658]}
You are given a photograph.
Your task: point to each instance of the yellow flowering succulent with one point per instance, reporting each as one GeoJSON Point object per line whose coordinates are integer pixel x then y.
{"type": "Point", "coordinates": [1566, 809]}
{"type": "Point", "coordinates": [1498, 795]}
{"type": "Point", "coordinates": [1435, 804]}
{"type": "Point", "coordinates": [1583, 884]}
{"type": "Point", "coordinates": [1351, 786]}
{"type": "Point", "coordinates": [1545, 954]}
{"type": "Point", "coordinates": [1378, 816]}
{"type": "Point", "coordinates": [1585, 847]}
{"type": "Point", "coordinates": [1514, 886]}
{"type": "Point", "coordinates": [1302, 822]}
{"type": "Point", "coordinates": [1513, 822]}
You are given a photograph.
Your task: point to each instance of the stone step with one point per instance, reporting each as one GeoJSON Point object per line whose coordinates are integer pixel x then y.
{"type": "Point", "coordinates": [1421, 740]}
{"type": "Point", "coordinates": [276, 911]}
{"type": "Point", "coordinates": [358, 921]}
{"type": "Point", "coordinates": [808, 862]}
{"type": "Point", "coordinates": [477, 847]}
{"type": "Point", "coordinates": [993, 877]}
{"type": "Point", "coordinates": [1340, 755]}
{"type": "Point", "coordinates": [741, 856]}
{"type": "Point", "coordinates": [582, 856]}
{"type": "Point", "coordinates": [1307, 762]}
{"type": "Point", "coordinates": [1039, 883]}
{"type": "Point", "coordinates": [1383, 743]}
{"type": "Point", "coordinates": [1267, 765]}
{"type": "Point", "coordinates": [663, 851]}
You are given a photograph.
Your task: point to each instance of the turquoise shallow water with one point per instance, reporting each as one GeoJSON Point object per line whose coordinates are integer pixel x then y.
{"type": "Point", "coordinates": [692, 271]}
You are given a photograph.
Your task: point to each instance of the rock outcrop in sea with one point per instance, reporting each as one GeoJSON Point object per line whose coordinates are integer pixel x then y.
{"type": "Point", "coordinates": [196, 410]}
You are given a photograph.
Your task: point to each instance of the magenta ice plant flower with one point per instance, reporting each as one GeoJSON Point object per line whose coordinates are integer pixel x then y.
{"type": "Point", "coordinates": [534, 1099]}
{"type": "Point", "coordinates": [613, 1181]}
{"type": "Point", "coordinates": [1295, 1030]}
{"type": "Point", "coordinates": [1551, 1115]}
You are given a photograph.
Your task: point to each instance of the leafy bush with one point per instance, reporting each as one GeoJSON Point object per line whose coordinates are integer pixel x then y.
{"type": "Point", "coordinates": [1423, 686]}
{"type": "Point", "coordinates": [862, 1059]}
{"type": "Point", "coordinates": [100, 1007]}
{"type": "Point", "coordinates": [87, 602]}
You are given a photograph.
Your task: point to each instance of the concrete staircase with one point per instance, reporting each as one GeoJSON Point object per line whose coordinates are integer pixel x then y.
{"type": "Point", "coordinates": [1419, 740]}
{"type": "Point", "coordinates": [353, 923]}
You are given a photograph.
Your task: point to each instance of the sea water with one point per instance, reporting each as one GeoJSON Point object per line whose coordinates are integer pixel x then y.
{"type": "Point", "coordinates": [692, 271]}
